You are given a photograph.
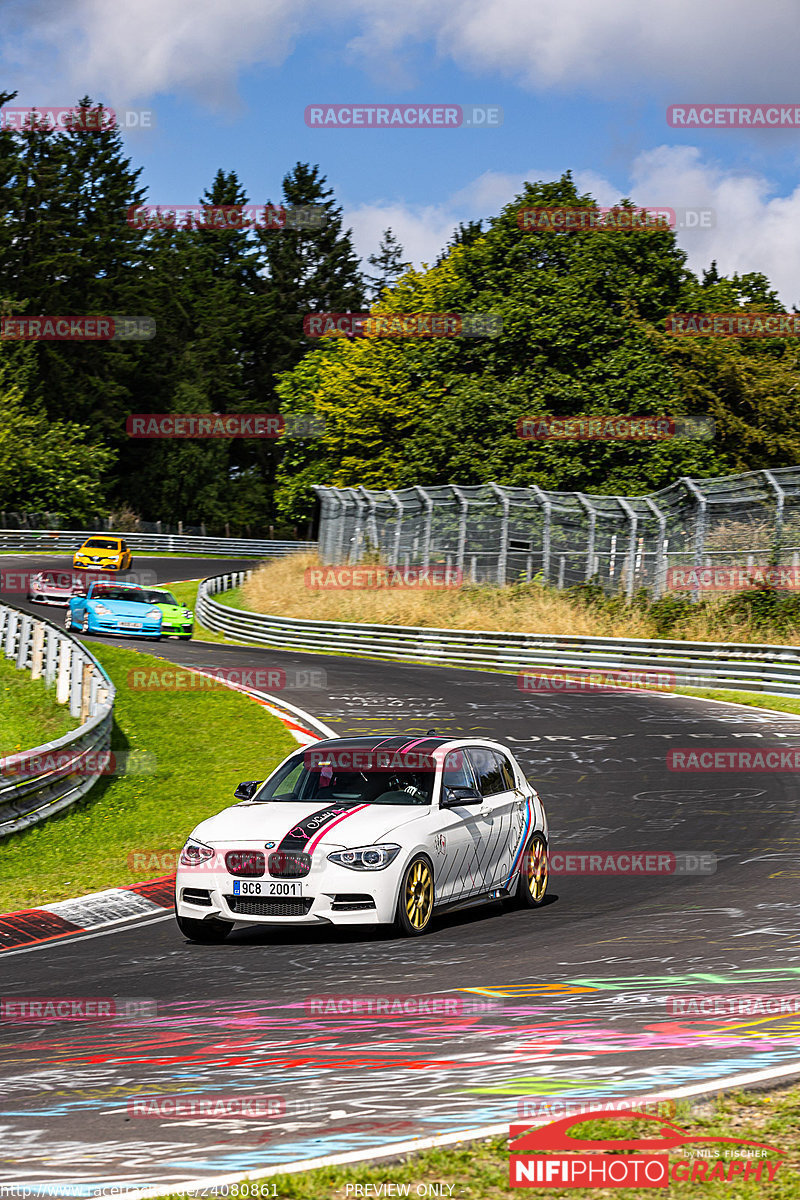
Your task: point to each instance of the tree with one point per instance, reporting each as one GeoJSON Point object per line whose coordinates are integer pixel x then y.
{"type": "Point", "coordinates": [388, 264]}
{"type": "Point", "coordinates": [582, 333]}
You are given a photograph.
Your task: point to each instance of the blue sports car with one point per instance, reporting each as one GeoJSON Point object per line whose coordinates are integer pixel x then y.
{"type": "Point", "coordinates": [114, 608]}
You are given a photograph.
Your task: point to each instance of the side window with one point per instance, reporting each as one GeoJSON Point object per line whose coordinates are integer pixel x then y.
{"type": "Point", "coordinates": [123, 547]}
{"type": "Point", "coordinates": [488, 771]}
{"type": "Point", "coordinates": [507, 772]}
{"type": "Point", "coordinates": [457, 771]}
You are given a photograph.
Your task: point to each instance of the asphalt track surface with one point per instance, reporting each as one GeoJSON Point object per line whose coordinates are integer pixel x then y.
{"type": "Point", "coordinates": [582, 983]}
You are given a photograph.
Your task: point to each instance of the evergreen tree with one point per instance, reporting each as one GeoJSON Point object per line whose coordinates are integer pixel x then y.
{"type": "Point", "coordinates": [388, 264]}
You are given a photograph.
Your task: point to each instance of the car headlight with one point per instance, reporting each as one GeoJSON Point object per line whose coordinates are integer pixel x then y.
{"type": "Point", "coordinates": [194, 853]}
{"type": "Point", "coordinates": [101, 608]}
{"type": "Point", "coordinates": [154, 612]}
{"type": "Point", "coordinates": [366, 858]}
{"type": "Point", "coordinates": [187, 612]}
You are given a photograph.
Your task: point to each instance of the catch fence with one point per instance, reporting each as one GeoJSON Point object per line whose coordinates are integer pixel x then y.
{"type": "Point", "coordinates": [501, 535]}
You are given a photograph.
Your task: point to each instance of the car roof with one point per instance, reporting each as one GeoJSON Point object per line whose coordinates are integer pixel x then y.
{"type": "Point", "coordinates": [401, 742]}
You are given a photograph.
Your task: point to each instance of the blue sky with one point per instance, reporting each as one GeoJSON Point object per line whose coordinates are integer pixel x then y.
{"type": "Point", "coordinates": [582, 87]}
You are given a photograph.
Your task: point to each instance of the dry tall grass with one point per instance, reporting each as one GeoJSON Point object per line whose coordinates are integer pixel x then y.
{"type": "Point", "coordinates": [279, 588]}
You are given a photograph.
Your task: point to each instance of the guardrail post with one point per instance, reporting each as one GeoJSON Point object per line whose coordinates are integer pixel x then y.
{"type": "Point", "coordinates": [50, 655]}
{"type": "Point", "coordinates": [63, 679]}
{"type": "Point", "coordinates": [75, 681]}
{"type": "Point", "coordinates": [37, 649]}
{"type": "Point", "coordinates": [86, 691]}
{"type": "Point", "coordinates": [11, 635]}
{"type": "Point", "coordinates": [24, 642]}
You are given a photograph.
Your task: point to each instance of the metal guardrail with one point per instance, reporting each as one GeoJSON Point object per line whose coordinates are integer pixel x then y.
{"type": "Point", "coordinates": [38, 782]}
{"type": "Point", "coordinates": [748, 666]}
{"type": "Point", "coordinates": [68, 541]}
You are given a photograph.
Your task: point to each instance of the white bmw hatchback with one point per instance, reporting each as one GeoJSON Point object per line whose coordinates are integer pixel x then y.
{"type": "Point", "coordinates": [367, 830]}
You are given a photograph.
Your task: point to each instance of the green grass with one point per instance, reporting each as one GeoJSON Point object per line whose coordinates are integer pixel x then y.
{"type": "Point", "coordinates": [29, 715]}
{"type": "Point", "coordinates": [204, 742]}
{"type": "Point", "coordinates": [788, 704]}
{"type": "Point", "coordinates": [480, 1171]}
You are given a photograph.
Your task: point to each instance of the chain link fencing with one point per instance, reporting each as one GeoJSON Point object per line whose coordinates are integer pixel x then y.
{"type": "Point", "coordinates": [503, 535]}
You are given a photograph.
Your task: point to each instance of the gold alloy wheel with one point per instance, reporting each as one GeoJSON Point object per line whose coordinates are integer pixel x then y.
{"type": "Point", "coordinates": [418, 897]}
{"type": "Point", "coordinates": [536, 870]}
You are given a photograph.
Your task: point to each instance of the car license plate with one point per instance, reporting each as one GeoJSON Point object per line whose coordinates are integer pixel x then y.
{"type": "Point", "coordinates": [129, 625]}
{"type": "Point", "coordinates": [244, 887]}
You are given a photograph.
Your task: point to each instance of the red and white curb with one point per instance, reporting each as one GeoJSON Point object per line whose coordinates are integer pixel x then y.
{"type": "Point", "coordinates": [114, 906]}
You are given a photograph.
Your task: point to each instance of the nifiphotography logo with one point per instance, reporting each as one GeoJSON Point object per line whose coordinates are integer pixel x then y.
{"type": "Point", "coordinates": [641, 1162]}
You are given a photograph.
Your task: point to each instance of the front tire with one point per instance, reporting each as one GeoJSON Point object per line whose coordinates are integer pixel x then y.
{"type": "Point", "coordinates": [533, 874]}
{"type": "Point", "coordinates": [85, 625]}
{"type": "Point", "coordinates": [206, 932]}
{"type": "Point", "coordinates": [415, 898]}
{"type": "Point", "coordinates": [68, 618]}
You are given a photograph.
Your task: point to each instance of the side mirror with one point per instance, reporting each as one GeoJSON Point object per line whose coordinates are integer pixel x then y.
{"type": "Point", "coordinates": [455, 797]}
{"type": "Point", "coordinates": [246, 791]}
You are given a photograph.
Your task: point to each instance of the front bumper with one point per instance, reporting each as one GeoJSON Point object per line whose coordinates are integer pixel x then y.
{"type": "Point", "coordinates": [98, 625]}
{"type": "Point", "coordinates": [88, 565]}
{"type": "Point", "coordinates": [330, 895]}
{"type": "Point", "coordinates": [174, 628]}
{"type": "Point", "coordinates": [44, 598]}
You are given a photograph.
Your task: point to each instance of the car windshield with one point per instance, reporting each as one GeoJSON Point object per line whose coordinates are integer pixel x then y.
{"type": "Point", "coordinates": [297, 780]}
{"type": "Point", "coordinates": [101, 544]}
{"type": "Point", "coordinates": [159, 597]}
{"type": "Point", "coordinates": [118, 593]}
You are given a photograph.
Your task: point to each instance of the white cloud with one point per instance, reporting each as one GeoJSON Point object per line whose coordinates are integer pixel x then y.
{"type": "Point", "coordinates": [752, 230]}
{"type": "Point", "coordinates": [133, 50]}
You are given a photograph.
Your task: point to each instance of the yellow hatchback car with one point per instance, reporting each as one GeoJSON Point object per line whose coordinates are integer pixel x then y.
{"type": "Point", "coordinates": [103, 553]}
